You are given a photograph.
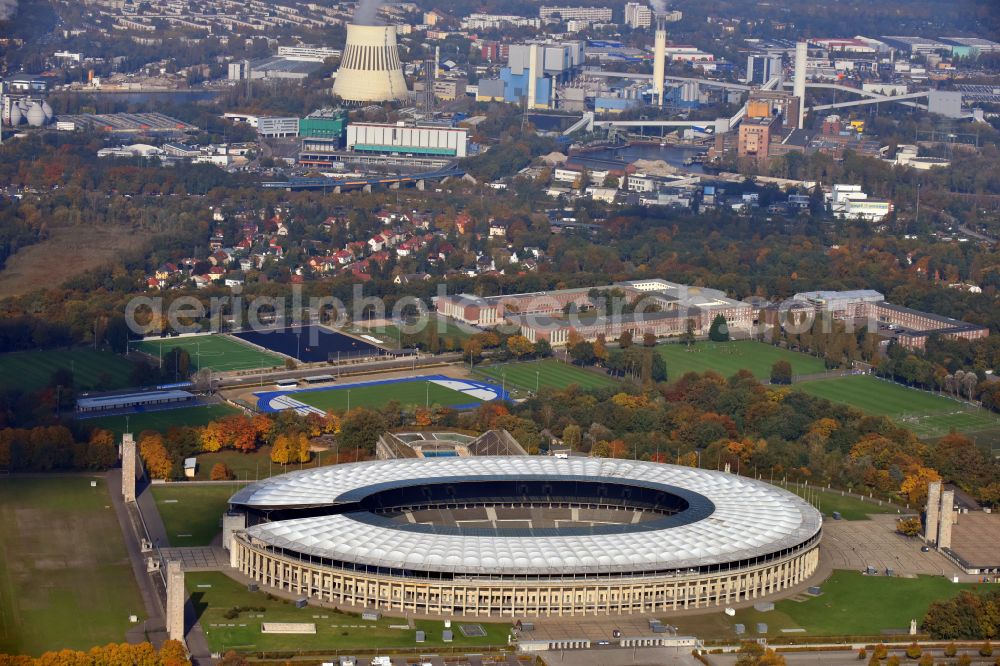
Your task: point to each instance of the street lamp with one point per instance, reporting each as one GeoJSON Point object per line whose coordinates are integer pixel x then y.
{"type": "Point", "coordinates": [348, 399]}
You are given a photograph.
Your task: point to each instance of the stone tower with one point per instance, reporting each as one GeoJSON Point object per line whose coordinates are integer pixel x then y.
{"type": "Point", "coordinates": [128, 467]}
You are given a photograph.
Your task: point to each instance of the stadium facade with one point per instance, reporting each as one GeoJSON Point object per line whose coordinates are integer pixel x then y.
{"type": "Point", "coordinates": [521, 536]}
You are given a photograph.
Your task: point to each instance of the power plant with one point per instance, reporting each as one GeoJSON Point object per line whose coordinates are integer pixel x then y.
{"type": "Point", "coordinates": [370, 69]}
{"type": "Point", "coordinates": [659, 58]}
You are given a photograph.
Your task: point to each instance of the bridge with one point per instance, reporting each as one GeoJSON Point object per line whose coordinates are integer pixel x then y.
{"type": "Point", "coordinates": [338, 185]}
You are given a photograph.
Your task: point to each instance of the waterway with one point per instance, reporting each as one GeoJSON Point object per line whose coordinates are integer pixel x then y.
{"type": "Point", "coordinates": [619, 157]}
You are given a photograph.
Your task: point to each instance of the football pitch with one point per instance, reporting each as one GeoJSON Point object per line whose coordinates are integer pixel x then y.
{"type": "Point", "coordinates": [728, 358]}
{"type": "Point", "coordinates": [32, 370]}
{"type": "Point", "coordinates": [409, 395]}
{"type": "Point", "coordinates": [924, 413]}
{"type": "Point", "coordinates": [217, 352]}
{"type": "Point", "coordinates": [65, 577]}
{"type": "Point", "coordinates": [547, 373]}
{"type": "Point", "coordinates": [163, 419]}
{"type": "Point", "coordinates": [191, 514]}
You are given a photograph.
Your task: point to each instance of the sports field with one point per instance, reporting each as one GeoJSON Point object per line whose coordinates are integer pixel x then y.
{"type": "Point", "coordinates": [191, 513]}
{"type": "Point", "coordinates": [162, 420]}
{"type": "Point", "coordinates": [547, 373]}
{"type": "Point", "coordinates": [851, 604]}
{"type": "Point", "coordinates": [65, 577]}
{"type": "Point", "coordinates": [924, 413]}
{"type": "Point", "coordinates": [91, 369]}
{"type": "Point", "coordinates": [409, 395]}
{"type": "Point", "coordinates": [212, 594]}
{"type": "Point", "coordinates": [218, 352]}
{"type": "Point", "coordinates": [849, 508]}
{"type": "Point", "coordinates": [728, 358]}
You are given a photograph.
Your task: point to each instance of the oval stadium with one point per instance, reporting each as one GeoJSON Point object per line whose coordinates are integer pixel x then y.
{"type": "Point", "coordinates": [521, 536]}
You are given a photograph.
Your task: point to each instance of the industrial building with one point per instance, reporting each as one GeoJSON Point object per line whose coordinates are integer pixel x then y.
{"type": "Point", "coordinates": [533, 70]}
{"type": "Point", "coordinates": [521, 536]}
{"type": "Point", "coordinates": [277, 127]}
{"type": "Point", "coordinates": [126, 123]}
{"type": "Point", "coordinates": [761, 68]}
{"type": "Point", "coordinates": [370, 70]}
{"type": "Point", "coordinates": [402, 139]}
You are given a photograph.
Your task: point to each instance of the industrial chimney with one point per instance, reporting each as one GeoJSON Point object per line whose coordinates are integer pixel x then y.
{"type": "Point", "coordinates": [659, 58]}
{"type": "Point", "coordinates": [799, 90]}
{"type": "Point", "coordinates": [370, 70]}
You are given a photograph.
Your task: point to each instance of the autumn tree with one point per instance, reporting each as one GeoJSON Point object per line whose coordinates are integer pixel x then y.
{"type": "Point", "coordinates": [910, 527]}
{"type": "Point", "coordinates": [781, 372]}
{"type": "Point", "coordinates": [572, 436]}
{"type": "Point", "coordinates": [625, 340]}
{"type": "Point", "coordinates": [519, 346]}
{"type": "Point", "coordinates": [649, 339]}
{"type": "Point", "coordinates": [221, 472]}
{"type": "Point", "coordinates": [155, 456]}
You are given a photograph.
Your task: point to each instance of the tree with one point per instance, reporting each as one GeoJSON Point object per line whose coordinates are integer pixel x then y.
{"type": "Point", "coordinates": [781, 372]}
{"type": "Point", "coordinates": [519, 346]}
{"type": "Point", "coordinates": [101, 450]}
{"type": "Point", "coordinates": [155, 455]}
{"type": "Point", "coordinates": [572, 436]}
{"type": "Point", "coordinates": [582, 353]}
{"type": "Point", "coordinates": [361, 428]}
{"type": "Point", "coordinates": [290, 448]}
{"type": "Point", "coordinates": [913, 651]}
{"type": "Point", "coordinates": [910, 527]}
{"type": "Point", "coordinates": [649, 339]}
{"type": "Point", "coordinates": [688, 336]}
{"type": "Point", "coordinates": [221, 472]}
{"type": "Point", "coordinates": [543, 349]}
{"type": "Point", "coordinates": [625, 340]}
{"type": "Point", "coordinates": [719, 330]}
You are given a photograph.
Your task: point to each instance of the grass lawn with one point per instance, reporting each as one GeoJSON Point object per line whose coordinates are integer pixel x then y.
{"type": "Point", "coordinates": [218, 352]}
{"type": "Point", "coordinates": [728, 358]}
{"type": "Point", "coordinates": [213, 593]}
{"type": "Point", "coordinates": [65, 577]}
{"type": "Point", "coordinates": [443, 327]}
{"type": "Point", "coordinates": [850, 508]}
{"type": "Point", "coordinates": [924, 413]}
{"type": "Point", "coordinates": [851, 604]}
{"type": "Point", "coordinates": [408, 394]}
{"type": "Point", "coordinates": [192, 513]}
{"type": "Point", "coordinates": [551, 374]}
{"type": "Point", "coordinates": [91, 369]}
{"type": "Point", "coordinates": [162, 420]}
{"type": "Point", "coordinates": [258, 465]}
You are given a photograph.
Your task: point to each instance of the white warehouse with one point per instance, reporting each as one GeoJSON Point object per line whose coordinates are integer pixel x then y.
{"type": "Point", "coordinates": [378, 138]}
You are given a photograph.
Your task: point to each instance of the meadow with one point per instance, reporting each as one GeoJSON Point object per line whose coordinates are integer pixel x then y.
{"type": "Point", "coordinates": [91, 369]}
{"type": "Point", "coordinates": [728, 358]}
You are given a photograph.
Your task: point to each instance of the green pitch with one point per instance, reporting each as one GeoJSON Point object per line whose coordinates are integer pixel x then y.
{"type": "Point", "coordinates": [851, 604]}
{"type": "Point", "coordinates": [218, 352]}
{"type": "Point", "coordinates": [212, 594]}
{"type": "Point", "coordinates": [65, 577]}
{"type": "Point", "coordinates": [550, 374]}
{"type": "Point", "coordinates": [926, 414]}
{"type": "Point", "coordinates": [162, 420]}
{"type": "Point", "coordinates": [728, 358]}
{"type": "Point", "coordinates": [91, 369]}
{"type": "Point", "coordinates": [409, 395]}
{"type": "Point", "coordinates": [849, 508]}
{"type": "Point", "coordinates": [191, 513]}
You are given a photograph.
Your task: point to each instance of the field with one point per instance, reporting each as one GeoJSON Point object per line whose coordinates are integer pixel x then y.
{"type": "Point", "coordinates": [375, 396]}
{"type": "Point", "coordinates": [91, 369]}
{"type": "Point", "coordinates": [213, 594]}
{"type": "Point", "coordinates": [728, 358]}
{"type": "Point", "coordinates": [551, 374]}
{"type": "Point", "coordinates": [851, 604]}
{"type": "Point", "coordinates": [849, 508]}
{"type": "Point", "coordinates": [65, 578]}
{"type": "Point", "coordinates": [162, 420]}
{"type": "Point", "coordinates": [191, 513]}
{"type": "Point", "coordinates": [218, 352]}
{"type": "Point", "coordinates": [926, 414]}
{"type": "Point", "coordinates": [255, 465]}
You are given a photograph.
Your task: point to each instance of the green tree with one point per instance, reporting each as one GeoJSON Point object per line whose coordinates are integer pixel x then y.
{"type": "Point", "coordinates": [572, 436]}
{"type": "Point", "coordinates": [719, 330]}
{"type": "Point", "coordinates": [361, 428]}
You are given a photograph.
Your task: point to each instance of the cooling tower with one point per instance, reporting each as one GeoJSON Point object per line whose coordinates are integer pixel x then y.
{"type": "Point", "coordinates": [370, 70]}
{"type": "Point", "coordinates": [659, 59]}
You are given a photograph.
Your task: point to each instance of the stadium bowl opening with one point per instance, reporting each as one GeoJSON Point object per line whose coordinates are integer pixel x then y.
{"type": "Point", "coordinates": [516, 536]}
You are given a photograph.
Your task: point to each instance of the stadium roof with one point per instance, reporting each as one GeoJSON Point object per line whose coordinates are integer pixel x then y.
{"type": "Point", "coordinates": [747, 519]}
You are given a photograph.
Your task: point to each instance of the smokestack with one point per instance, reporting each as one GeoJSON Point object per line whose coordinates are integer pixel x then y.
{"type": "Point", "coordinates": [659, 58]}
{"type": "Point", "coordinates": [801, 58]}
{"type": "Point", "coordinates": [536, 60]}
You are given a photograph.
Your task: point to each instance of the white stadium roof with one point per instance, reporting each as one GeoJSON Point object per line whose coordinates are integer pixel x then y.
{"type": "Point", "coordinates": [750, 519]}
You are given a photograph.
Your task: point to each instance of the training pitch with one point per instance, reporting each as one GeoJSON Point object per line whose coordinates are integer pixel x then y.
{"type": "Point", "coordinates": [409, 392]}
{"type": "Point", "coordinates": [217, 352]}
{"type": "Point", "coordinates": [728, 358]}
{"type": "Point", "coordinates": [548, 373]}
{"type": "Point", "coordinates": [163, 419]}
{"type": "Point", "coordinates": [91, 369]}
{"type": "Point", "coordinates": [191, 513]}
{"type": "Point", "coordinates": [65, 577]}
{"type": "Point", "coordinates": [924, 413]}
